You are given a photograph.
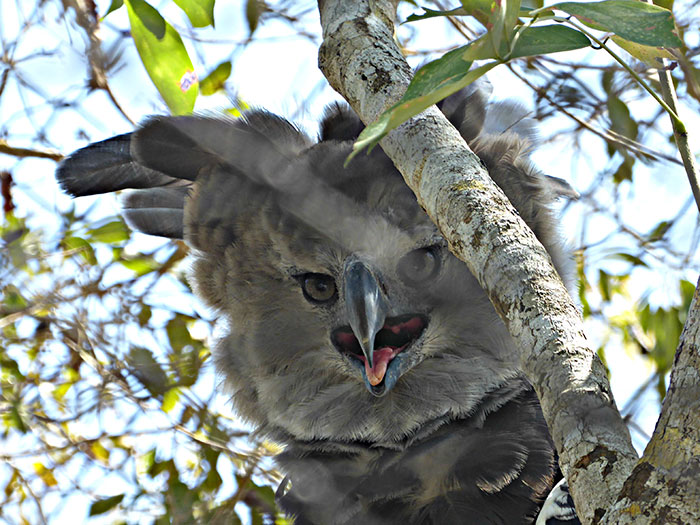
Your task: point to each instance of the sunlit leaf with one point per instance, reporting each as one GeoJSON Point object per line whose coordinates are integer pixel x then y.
{"type": "Point", "coordinates": [651, 56]}
{"type": "Point", "coordinates": [81, 246]}
{"type": "Point", "coordinates": [45, 474]}
{"type": "Point", "coordinates": [59, 393]}
{"type": "Point", "coordinates": [105, 505]}
{"type": "Point", "coordinates": [687, 292]}
{"type": "Point", "coordinates": [164, 56]}
{"type": "Point", "coordinates": [100, 452]}
{"type": "Point", "coordinates": [141, 265]}
{"type": "Point", "coordinates": [635, 21]}
{"type": "Point", "coordinates": [13, 300]}
{"type": "Point", "coordinates": [215, 80]}
{"type": "Point", "coordinates": [12, 418]}
{"type": "Point", "coordinates": [200, 12]}
{"type": "Point", "coordinates": [170, 399]}
{"type": "Point", "coordinates": [112, 232]}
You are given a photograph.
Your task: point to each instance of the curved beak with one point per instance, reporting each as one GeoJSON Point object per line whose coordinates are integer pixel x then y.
{"type": "Point", "coordinates": [366, 306]}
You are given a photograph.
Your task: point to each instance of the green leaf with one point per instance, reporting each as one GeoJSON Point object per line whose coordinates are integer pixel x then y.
{"type": "Point", "coordinates": [687, 292]}
{"type": "Point", "coordinates": [604, 285]}
{"type": "Point", "coordinates": [100, 452]}
{"type": "Point", "coordinates": [81, 246]}
{"type": "Point", "coordinates": [144, 315]}
{"type": "Point", "coordinates": [632, 20]}
{"type": "Point", "coordinates": [545, 40]}
{"type": "Point", "coordinates": [620, 118]}
{"type": "Point", "coordinates": [431, 83]}
{"type": "Point", "coordinates": [13, 300]}
{"type": "Point", "coordinates": [480, 9]}
{"type": "Point", "coordinates": [145, 462]}
{"type": "Point", "coordinates": [633, 259]}
{"type": "Point", "coordinates": [450, 73]}
{"type": "Point", "coordinates": [112, 232]}
{"type": "Point", "coordinates": [164, 56]}
{"type": "Point", "coordinates": [215, 80]}
{"type": "Point", "coordinates": [105, 505]}
{"type": "Point", "coordinates": [147, 370]}
{"type": "Point", "coordinates": [502, 22]}
{"type": "Point", "coordinates": [116, 4]}
{"type": "Point", "coordinates": [45, 474]}
{"type": "Point", "coordinates": [170, 399]}
{"type": "Point", "coordinates": [659, 231]}
{"type": "Point", "coordinates": [200, 12]}
{"type": "Point", "coordinates": [430, 13]}
{"type": "Point", "coordinates": [141, 265]}
{"type": "Point", "coordinates": [649, 55]}
{"type": "Point", "coordinates": [178, 334]}
{"type": "Point", "coordinates": [624, 170]}
{"type": "Point", "coordinates": [253, 10]}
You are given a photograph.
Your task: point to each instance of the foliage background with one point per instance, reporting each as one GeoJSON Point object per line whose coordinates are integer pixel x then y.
{"type": "Point", "coordinates": [111, 410]}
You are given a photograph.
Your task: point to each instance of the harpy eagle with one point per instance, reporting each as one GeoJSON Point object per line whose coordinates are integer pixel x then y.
{"type": "Point", "coordinates": [352, 335]}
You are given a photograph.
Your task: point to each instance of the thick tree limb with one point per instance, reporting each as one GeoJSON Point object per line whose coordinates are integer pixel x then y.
{"type": "Point", "coordinates": [665, 485]}
{"type": "Point", "coordinates": [362, 62]}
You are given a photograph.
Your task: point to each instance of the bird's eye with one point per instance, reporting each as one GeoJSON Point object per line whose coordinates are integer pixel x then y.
{"type": "Point", "coordinates": [419, 265]}
{"type": "Point", "coordinates": [318, 288]}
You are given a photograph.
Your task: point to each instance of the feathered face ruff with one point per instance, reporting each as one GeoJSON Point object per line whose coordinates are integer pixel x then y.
{"type": "Point", "coordinates": [350, 333]}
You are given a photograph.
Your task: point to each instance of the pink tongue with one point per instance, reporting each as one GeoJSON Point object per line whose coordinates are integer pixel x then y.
{"type": "Point", "coordinates": [382, 357]}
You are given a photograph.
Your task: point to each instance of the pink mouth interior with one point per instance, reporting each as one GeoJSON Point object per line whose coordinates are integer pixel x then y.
{"type": "Point", "coordinates": [410, 329]}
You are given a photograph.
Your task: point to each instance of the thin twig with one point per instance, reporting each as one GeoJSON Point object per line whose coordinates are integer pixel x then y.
{"type": "Point", "coordinates": [680, 133]}
{"type": "Point", "coordinates": [27, 152]}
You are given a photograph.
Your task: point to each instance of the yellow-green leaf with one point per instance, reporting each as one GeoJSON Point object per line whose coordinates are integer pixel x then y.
{"type": "Point", "coordinates": [45, 474]}
{"type": "Point", "coordinates": [100, 452]}
{"type": "Point", "coordinates": [81, 246]}
{"type": "Point", "coordinates": [200, 12]}
{"type": "Point", "coordinates": [215, 80]}
{"type": "Point", "coordinates": [112, 232]}
{"type": "Point", "coordinates": [170, 399]}
{"type": "Point", "coordinates": [164, 56]}
{"type": "Point", "coordinates": [651, 56]}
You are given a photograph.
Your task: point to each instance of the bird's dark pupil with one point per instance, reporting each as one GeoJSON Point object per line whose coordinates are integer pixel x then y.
{"type": "Point", "coordinates": [319, 288]}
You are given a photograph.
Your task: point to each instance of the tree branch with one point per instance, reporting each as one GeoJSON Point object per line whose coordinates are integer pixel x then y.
{"type": "Point", "coordinates": [664, 486]}
{"type": "Point", "coordinates": [27, 152]}
{"type": "Point", "coordinates": [361, 61]}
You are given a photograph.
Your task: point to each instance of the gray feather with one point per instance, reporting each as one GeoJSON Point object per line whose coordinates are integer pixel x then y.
{"type": "Point", "coordinates": [450, 431]}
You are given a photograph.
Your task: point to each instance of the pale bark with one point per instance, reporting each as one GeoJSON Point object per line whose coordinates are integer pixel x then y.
{"type": "Point", "coordinates": [361, 61]}
{"type": "Point", "coordinates": [665, 485]}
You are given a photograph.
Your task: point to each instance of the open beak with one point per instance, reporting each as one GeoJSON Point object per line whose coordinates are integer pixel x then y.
{"type": "Point", "coordinates": [366, 306]}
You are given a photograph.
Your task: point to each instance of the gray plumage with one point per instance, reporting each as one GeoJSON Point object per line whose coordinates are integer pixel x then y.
{"type": "Point", "coordinates": [352, 335]}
